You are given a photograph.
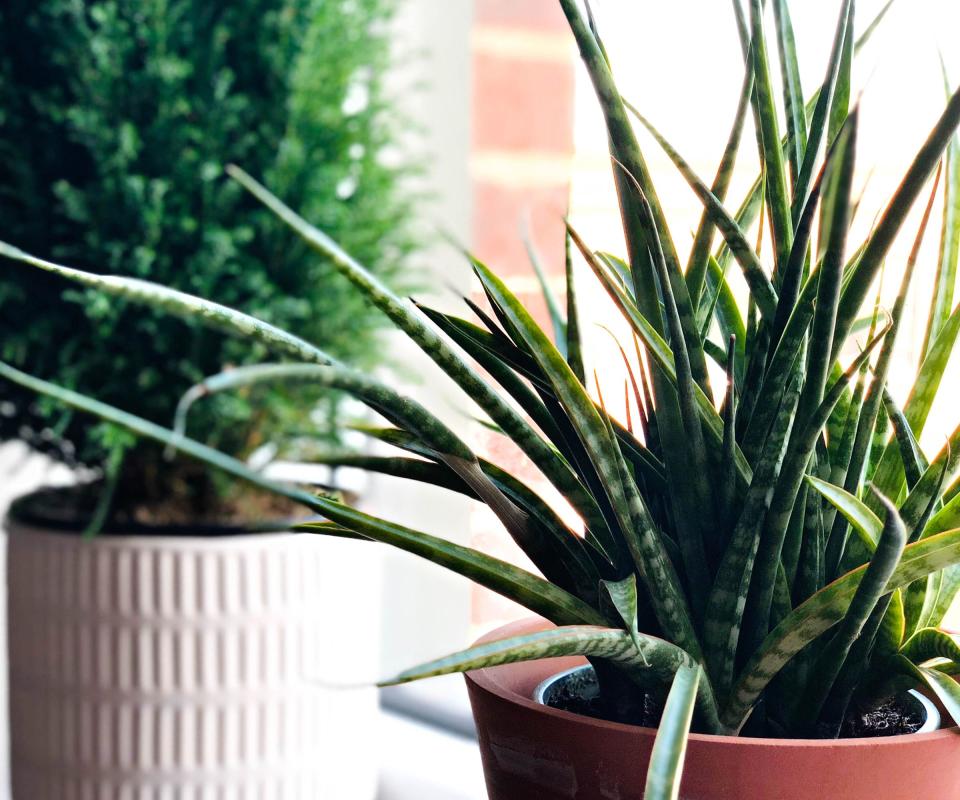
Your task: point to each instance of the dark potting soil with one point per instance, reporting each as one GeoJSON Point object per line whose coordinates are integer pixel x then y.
{"type": "Point", "coordinates": [69, 509]}
{"type": "Point", "coordinates": [578, 694]}
{"type": "Point", "coordinates": [893, 717]}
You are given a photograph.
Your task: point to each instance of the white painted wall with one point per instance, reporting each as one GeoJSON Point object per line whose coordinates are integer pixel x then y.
{"type": "Point", "coordinates": [427, 609]}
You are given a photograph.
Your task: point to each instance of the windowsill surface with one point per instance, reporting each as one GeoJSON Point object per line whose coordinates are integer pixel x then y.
{"type": "Point", "coordinates": [423, 762]}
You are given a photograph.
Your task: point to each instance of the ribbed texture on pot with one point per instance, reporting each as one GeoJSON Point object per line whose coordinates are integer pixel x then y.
{"type": "Point", "coordinates": [184, 668]}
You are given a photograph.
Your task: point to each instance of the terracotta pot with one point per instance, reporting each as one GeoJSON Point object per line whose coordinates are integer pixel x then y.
{"type": "Point", "coordinates": [534, 752]}
{"type": "Point", "coordinates": [188, 666]}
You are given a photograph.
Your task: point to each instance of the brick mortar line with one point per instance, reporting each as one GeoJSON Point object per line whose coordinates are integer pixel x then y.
{"type": "Point", "coordinates": [521, 168]}
{"type": "Point", "coordinates": [522, 44]}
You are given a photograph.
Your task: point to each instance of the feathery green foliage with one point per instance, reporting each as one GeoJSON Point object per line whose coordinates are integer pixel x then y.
{"type": "Point", "coordinates": [742, 526]}
{"type": "Point", "coordinates": [117, 118]}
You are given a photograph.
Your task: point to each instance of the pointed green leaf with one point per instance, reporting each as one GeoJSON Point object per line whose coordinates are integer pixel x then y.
{"type": "Point", "coordinates": [697, 264]}
{"type": "Point", "coordinates": [858, 514]}
{"type": "Point", "coordinates": [930, 643]}
{"type": "Point", "coordinates": [818, 124]}
{"type": "Point", "coordinates": [670, 746]}
{"type": "Point", "coordinates": [549, 297]}
{"type": "Point", "coordinates": [945, 688]}
{"type": "Point", "coordinates": [945, 282]}
{"type": "Point", "coordinates": [761, 288]}
{"type": "Point", "coordinates": [574, 343]}
{"type": "Point", "coordinates": [792, 87]}
{"type": "Point", "coordinates": [840, 104]}
{"type": "Point", "coordinates": [180, 304]}
{"type": "Point", "coordinates": [893, 217]}
{"type": "Point", "coordinates": [771, 153]}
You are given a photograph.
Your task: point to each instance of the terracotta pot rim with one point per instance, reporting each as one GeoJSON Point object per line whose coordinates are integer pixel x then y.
{"type": "Point", "coordinates": [485, 680]}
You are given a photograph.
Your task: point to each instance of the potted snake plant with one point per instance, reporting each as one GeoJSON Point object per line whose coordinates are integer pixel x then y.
{"type": "Point", "coordinates": [765, 559]}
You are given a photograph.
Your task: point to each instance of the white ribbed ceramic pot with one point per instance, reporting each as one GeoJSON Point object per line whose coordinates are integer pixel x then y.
{"type": "Point", "coordinates": [176, 668]}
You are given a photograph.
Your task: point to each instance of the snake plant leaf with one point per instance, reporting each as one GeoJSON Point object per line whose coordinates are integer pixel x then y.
{"type": "Point", "coordinates": [893, 628]}
{"type": "Point", "coordinates": [512, 582]}
{"type": "Point", "coordinates": [793, 274]}
{"type": "Point", "coordinates": [503, 361]}
{"type": "Point", "coordinates": [549, 296]}
{"type": "Point", "coordinates": [792, 88]}
{"type": "Point", "coordinates": [946, 277]}
{"type": "Point", "coordinates": [400, 410]}
{"type": "Point", "coordinates": [574, 341]}
{"type": "Point", "coordinates": [889, 473]}
{"type": "Point", "coordinates": [821, 612]}
{"type": "Point", "coordinates": [840, 103]}
{"type": "Point", "coordinates": [771, 151]}
{"type": "Point", "coordinates": [406, 318]}
{"type": "Point", "coordinates": [180, 304]}
{"type": "Point", "coordinates": [911, 456]}
{"type": "Point", "coordinates": [569, 546]}
{"type": "Point", "coordinates": [761, 288]}
{"type": "Point", "coordinates": [723, 306]}
{"type": "Point", "coordinates": [819, 121]}
{"type": "Point", "coordinates": [753, 199]}
{"type": "Point", "coordinates": [414, 469]}
{"type": "Point", "coordinates": [875, 250]}
{"type": "Point", "coordinates": [836, 214]}
{"type": "Point", "coordinates": [633, 384]}
{"type": "Point", "coordinates": [728, 478]}
{"type": "Point", "coordinates": [946, 518]}
{"type": "Point", "coordinates": [945, 688]}
{"type": "Point", "coordinates": [565, 555]}
{"type": "Point", "coordinates": [868, 32]}
{"type": "Point", "coordinates": [665, 770]}
{"type": "Point", "coordinates": [929, 377]}
{"type": "Point", "coordinates": [920, 602]}
{"type": "Point", "coordinates": [658, 663]}
{"type": "Point", "coordinates": [930, 643]}
{"type": "Point", "coordinates": [642, 538]}
{"type": "Point", "coordinates": [949, 586]}
{"type": "Point", "coordinates": [870, 589]}
{"type": "Point", "coordinates": [917, 508]}
{"type": "Point", "coordinates": [338, 532]}
{"type": "Point", "coordinates": [623, 596]}
{"type": "Point", "coordinates": [497, 346]}
{"type": "Point", "coordinates": [525, 588]}
{"type": "Point", "coordinates": [697, 264]}
{"type": "Point", "coordinates": [866, 523]}
{"type": "Point", "coordinates": [868, 422]}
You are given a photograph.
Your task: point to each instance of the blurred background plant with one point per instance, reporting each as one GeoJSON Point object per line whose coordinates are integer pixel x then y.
{"type": "Point", "coordinates": [116, 120]}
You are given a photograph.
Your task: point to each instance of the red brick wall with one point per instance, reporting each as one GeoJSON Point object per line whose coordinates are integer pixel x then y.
{"type": "Point", "coordinates": [523, 77]}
